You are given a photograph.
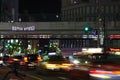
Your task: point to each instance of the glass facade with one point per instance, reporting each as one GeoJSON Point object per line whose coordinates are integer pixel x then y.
{"type": "Point", "coordinates": [78, 43]}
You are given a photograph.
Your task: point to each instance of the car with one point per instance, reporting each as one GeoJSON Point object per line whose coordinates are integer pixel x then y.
{"type": "Point", "coordinates": [32, 60]}
{"type": "Point", "coordinates": [18, 58]}
{"type": "Point", "coordinates": [14, 60]}
{"type": "Point", "coordinates": [53, 63]}
{"type": "Point", "coordinates": [1, 61]}
{"type": "Point", "coordinates": [5, 58]}
{"type": "Point", "coordinates": [96, 67]}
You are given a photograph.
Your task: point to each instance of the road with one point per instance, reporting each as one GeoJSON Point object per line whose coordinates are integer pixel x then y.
{"type": "Point", "coordinates": [30, 75]}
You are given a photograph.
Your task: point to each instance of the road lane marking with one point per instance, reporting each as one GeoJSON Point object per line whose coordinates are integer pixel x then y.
{"type": "Point", "coordinates": [37, 78]}
{"type": "Point", "coordinates": [64, 78]}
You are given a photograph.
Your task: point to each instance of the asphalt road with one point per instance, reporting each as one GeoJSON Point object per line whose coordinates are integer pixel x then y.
{"type": "Point", "coordinates": [29, 75]}
{"type": "Point", "coordinates": [48, 76]}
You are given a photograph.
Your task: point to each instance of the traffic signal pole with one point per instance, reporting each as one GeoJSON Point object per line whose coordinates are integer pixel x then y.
{"type": "Point", "coordinates": [102, 26]}
{"type": "Point", "coordinates": [104, 30]}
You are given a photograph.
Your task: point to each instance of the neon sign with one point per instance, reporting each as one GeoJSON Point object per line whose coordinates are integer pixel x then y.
{"type": "Point", "coordinates": [92, 50]}
{"type": "Point", "coordinates": [114, 36]}
{"type": "Point", "coordinates": [115, 49]}
{"type": "Point", "coordinates": [17, 28]}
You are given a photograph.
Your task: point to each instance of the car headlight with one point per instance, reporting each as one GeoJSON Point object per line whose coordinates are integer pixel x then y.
{"type": "Point", "coordinates": [76, 62]}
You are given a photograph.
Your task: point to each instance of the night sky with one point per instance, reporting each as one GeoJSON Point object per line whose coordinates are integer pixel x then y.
{"type": "Point", "coordinates": [38, 6]}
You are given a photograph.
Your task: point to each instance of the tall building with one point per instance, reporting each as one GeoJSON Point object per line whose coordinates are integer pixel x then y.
{"type": "Point", "coordinates": [26, 10]}
{"type": "Point", "coordinates": [90, 10]}
{"type": "Point", "coordinates": [9, 10]}
{"type": "Point", "coordinates": [39, 10]}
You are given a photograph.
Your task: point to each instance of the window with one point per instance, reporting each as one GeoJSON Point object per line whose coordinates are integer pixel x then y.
{"type": "Point", "coordinates": [107, 9]}
{"type": "Point", "coordinates": [88, 10]}
{"type": "Point", "coordinates": [84, 10]}
{"type": "Point", "coordinates": [112, 9]}
{"type": "Point", "coordinates": [92, 9]}
{"type": "Point", "coordinates": [77, 11]}
{"type": "Point", "coordinates": [117, 9]}
{"type": "Point", "coordinates": [78, 43]}
{"type": "Point", "coordinates": [81, 10]}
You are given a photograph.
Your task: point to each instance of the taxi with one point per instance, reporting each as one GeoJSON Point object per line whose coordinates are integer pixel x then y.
{"type": "Point", "coordinates": [54, 63]}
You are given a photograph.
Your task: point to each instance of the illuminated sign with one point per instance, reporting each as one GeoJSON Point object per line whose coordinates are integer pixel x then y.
{"type": "Point", "coordinates": [114, 36]}
{"type": "Point", "coordinates": [52, 53]}
{"type": "Point", "coordinates": [89, 36]}
{"type": "Point", "coordinates": [115, 49]}
{"type": "Point", "coordinates": [17, 28]}
{"type": "Point", "coordinates": [92, 50]}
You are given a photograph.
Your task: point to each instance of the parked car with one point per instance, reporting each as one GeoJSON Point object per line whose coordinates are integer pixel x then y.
{"type": "Point", "coordinates": [96, 67]}
{"type": "Point", "coordinates": [32, 60]}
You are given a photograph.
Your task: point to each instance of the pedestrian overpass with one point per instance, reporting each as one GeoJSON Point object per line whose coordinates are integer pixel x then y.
{"type": "Point", "coordinates": [51, 29]}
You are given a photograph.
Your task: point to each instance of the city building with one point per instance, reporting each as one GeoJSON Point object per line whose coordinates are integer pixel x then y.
{"type": "Point", "coordinates": [103, 14]}
{"type": "Point", "coordinates": [9, 11]}
{"type": "Point", "coordinates": [90, 10]}
{"type": "Point", "coordinates": [29, 11]}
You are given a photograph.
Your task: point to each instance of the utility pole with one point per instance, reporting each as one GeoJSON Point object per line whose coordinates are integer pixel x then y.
{"type": "Point", "coordinates": [102, 26]}
{"type": "Point", "coordinates": [104, 31]}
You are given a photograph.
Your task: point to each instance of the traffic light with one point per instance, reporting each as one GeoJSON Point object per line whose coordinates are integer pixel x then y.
{"type": "Point", "coordinates": [87, 28]}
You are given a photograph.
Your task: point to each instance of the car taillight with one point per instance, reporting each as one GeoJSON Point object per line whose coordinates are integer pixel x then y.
{"type": "Point", "coordinates": [39, 58]}
{"type": "Point", "coordinates": [103, 72]}
{"type": "Point", "coordinates": [25, 59]}
{"type": "Point", "coordinates": [10, 61]}
{"type": "Point", "coordinates": [66, 66]}
{"type": "Point", "coordinates": [99, 72]}
{"type": "Point", "coordinates": [116, 72]}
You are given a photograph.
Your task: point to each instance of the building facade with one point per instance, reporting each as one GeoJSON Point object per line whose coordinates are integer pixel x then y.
{"type": "Point", "coordinates": [90, 10]}
{"type": "Point", "coordinates": [101, 12]}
